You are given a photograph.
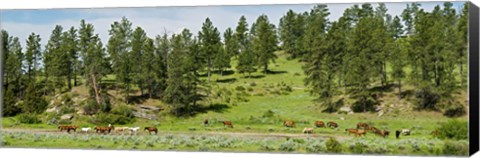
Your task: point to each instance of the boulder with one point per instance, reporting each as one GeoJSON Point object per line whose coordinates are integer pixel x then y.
{"type": "Point", "coordinates": [80, 111]}
{"type": "Point", "coordinates": [346, 109]}
{"type": "Point", "coordinates": [150, 108]}
{"type": "Point", "coordinates": [66, 117]}
{"type": "Point", "coordinates": [144, 115]}
{"type": "Point", "coordinates": [53, 109]}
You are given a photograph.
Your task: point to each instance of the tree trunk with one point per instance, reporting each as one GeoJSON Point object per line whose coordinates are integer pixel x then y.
{"type": "Point", "coordinates": [69, 79]}
{"type": "Point", "coordinates": [208, 71]}
{"type": "Point", "coordinates": [95, 88]}
{"type": "Point", "coordinates": [265, 68]}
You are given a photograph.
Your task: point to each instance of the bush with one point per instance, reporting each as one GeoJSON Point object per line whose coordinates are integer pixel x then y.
{"type": "Point", "coordinates": [453, 129]}
{"type": "Point", "coordinates": [66, 110]}
{"type": "Point", "coordinates": [240, 88]}
{"type": "Point", "coordinates": [427, 99]}
{"type": "Point", "coordinates": [287, 146]}
{"type": "Point", "coordinates": [452, 148]}
{"type": "Point", "coordinates": [333, 146]}
{"type": "Point", "coordinates": [455, 111]}
{"type": "Point", "coordinates": [268, 114]}
{"type": "Point", "coordinates": [29, 118]}
{"type": "Point", "coordinates": [358, 148]}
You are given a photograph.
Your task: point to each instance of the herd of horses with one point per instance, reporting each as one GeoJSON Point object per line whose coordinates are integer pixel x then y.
{"type": "Point", "coordinates": [361, 129]}
{"type": "Point", "coordinates": [107, 129]}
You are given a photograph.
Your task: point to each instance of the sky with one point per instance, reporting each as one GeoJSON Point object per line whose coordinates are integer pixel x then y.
{"type": "Point", "coordinates": [157, 20]}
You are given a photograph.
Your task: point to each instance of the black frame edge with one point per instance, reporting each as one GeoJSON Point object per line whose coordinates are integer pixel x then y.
{"type": "Point", "coordinates": [473, 78]}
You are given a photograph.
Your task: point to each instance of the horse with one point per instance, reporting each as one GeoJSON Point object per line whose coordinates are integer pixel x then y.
{"type": "Point", "coordinates": [360, 132]}
{"type": "Point", "coordinates": [362, 125]}
{"type": "Point", "coordinates": [351, 130]}
{"type": "Point", "coordinates": [319, 124]}
{"type": "Point", "coordinates": [151, 129]}
{"type": "Point", "coordinates": [289, 123]}
{"type": "Point", "coordinates": [405, 132]}
{"type": "Point", "coordinates": [205, 122]}
{"type": "Point", "coordinates": [397, 133]}
{"type": "Point", "coordinates": [228, 124]}
{"type": "Point", "coordinates": [308, 130]}
{"type": "Point", "coordinates": [86, 129]}
{"type": "Point", "coordinates": [372, 129]}
{"type": "Point", "coordinates": [103, 129]}
{"type": "Point", "coordinates": [68, 128]}
{"type": "Point", "coordinates": [121, 129]}
{"type": "Point", "coordinates": [332, 124]}
{"type": "Point", "coordinates": [133, 130]}
{"type": "Point", "coordinates": [383, 133]}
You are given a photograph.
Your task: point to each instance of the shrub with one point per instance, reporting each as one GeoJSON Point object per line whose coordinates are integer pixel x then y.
{"type": "Point", "coordinates": [427, 99]}
{"type": "Point", "coordinates": [315, 148]}
{"type": "Point", "coordinates": [64, 122]}
{"type": "Point", "coordinates": [452, 148]}
{"type": "Point", "coordinates": [240, 88]}
{"type": "Point", "coordinates": [287, 146]}
{"type": "Point", "coordinates": [456, 111]}
{"type": "Point", "coordinates": [268, 114]}
{"type": "Point", "coordinates": [333, 146]}
{"type": "Point", "coordinates": [29, 118]}
{"type": "Point", "coordinates": [66, 110]}
{"type": "Point", "coordinates": [358, 148]}
{"type": "Point", "coordinates": [453, 129]}
{"type": "Point", "coordinates": [253, 84]}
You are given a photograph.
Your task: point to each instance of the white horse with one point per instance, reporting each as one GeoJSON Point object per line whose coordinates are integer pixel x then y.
{"type": "Point", "coordinates": [86, 129]}
{"type": "Point", "coordinates": [133, 130]}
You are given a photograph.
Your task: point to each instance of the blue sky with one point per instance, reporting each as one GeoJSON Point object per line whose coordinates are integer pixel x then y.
{"type": "Point", "coordinates": [157, 20]}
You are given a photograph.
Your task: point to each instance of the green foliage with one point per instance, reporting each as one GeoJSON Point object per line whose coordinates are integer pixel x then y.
{"type": "Point", "coordinates": [288, 146]}
{"type": "Point", "coordinates": [33, 101]}
{"type": "Point", "coordinates": [9, 107]}
{"type": "Point", "coordinates": [455, 148]}
{"type": "Point", "coordinates": [333, 146]}
{"type": "Point", "coordinates": [453, 129]}
{"type": "Point", "coordinates": [211, 47]}
{"type": "Point", "coordinates": [29, 118]}
{"type": "Point", "coordinates": [264, 42]}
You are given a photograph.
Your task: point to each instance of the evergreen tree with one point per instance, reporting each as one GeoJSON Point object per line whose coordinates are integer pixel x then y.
{"type": "Point", "coordinates": [32, 56]}
{"type": "Point", "coordinates": [315, 29]}
{"type": "Point", "coordinates": [161, 65]}
{"type": "Point", "coordinates": [139, 38]}
{"type": "Point", "coordinates": [264, 42]}
{"type": "Point", "coordinates": [462, 43]}
{"type": "Point", "coordinates": [291, 31]}
{"type": "Point", "coordinates": [210, 45]}
{"type": "Point", "coordinates": [119, 47]}
{"type": "Point", "coordinates": [147, 73]}
{"type": "Point", "coordinates": [95, 61]}
{"type": "Point", "coordinates": [55, 58]}
{"type": "Point", "coordinates": [70, 46]}
{"type": "Point", "coordinates": [246, 57]}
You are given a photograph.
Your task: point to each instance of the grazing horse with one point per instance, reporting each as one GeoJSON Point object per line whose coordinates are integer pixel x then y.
{"type": "Point", "coordinates": [205, 122]}
{"type": "Point", "coordinates": [362, 125]}
{"type": "Point", "coordinates": [405, 132]}
{"type": "Point", "coordinates": [289, 123]}
{"type": "Point", "coordinates": [308, 130]}
{"type": "Point", "coordinates": [351, 130]}
{"type": "Point", "coordinates": [228, 124]}
{"type": "Point", "coordinates": [397, 134]}
{"type": "Point", "coordinates": [383, 133]}
{"type": "Point", "coordinates": [360, 132]}
{"type": "Point", "coordinates": [68, 128]}
{"type": "Point", "coordinates": [121, 129]}
{"type": "Point", "coordinates": [86, 129]}
{"type": "Point", "coordinates": [372, 129]}
{"type": "Point", "coordinates": [319, 124]}
{"type": "Point", "coordinates": [332, 125]}
{"type": "Point", "coordinates": [103, 129]}
{"type": "Point", "coordinates": [133, 130]}
{"type": "Point", "coordinates": [151, 129]}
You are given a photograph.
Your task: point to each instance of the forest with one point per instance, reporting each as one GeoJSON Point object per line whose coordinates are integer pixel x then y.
{"type": "Point", "coordinates": [354, 57]}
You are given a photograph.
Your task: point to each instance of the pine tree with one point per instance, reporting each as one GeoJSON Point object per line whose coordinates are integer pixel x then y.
{"type": "Point", "coordinates": [119, 47]}
{"type": "Point", "coordinates": [70, 46]}
{"type": "Point", "coordinates": [462, 42]}
{"type": "Point", "coordinates": [95, 61]}
{"type": "Point", "coordinates": [210, 45]}
{"type": "Point", "coordinates": [246, 58]}
{"type": "Point", "coordinates": [291, 31]}
{"type": "Point", "coordinates": [315, 29]}
{"type": "Point", "coordinates": [32, 56]}
{"type": "Point", "coordinates": [139, 38]}
{"type": "Point", "coordinates": [264, 42]}
{"type": "Point", "coordinates": [181, 91]}
{"type": "Point", "coordinates": [147, 73]}
{"type": "Point", "coordinates": [55, 59]}
{"type": "Point", "coordinates": [162, 50]}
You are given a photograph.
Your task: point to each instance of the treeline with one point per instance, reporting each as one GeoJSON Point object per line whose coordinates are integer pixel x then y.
{"type": "Point", "coordinates": [352, 53]}
{"type": "Point", "coordinates": [367, 49]}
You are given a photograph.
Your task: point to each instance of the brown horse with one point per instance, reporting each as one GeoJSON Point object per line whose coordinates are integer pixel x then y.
{"type": "Point", "coordinates": [360, 132]}
{"type": "Point", "coordinates": [151, 129]}
{"type": "Point", "coordinates": [68, 128]}
{"type": "Point", "coordinates": [351, 130]}
{"type": "Point", "coordinates": [205, 122]}
{"type": "Point", "coordinates": [362, 125]}
{"type": "Point", "coordinates": [228, 124]}
{"type": "Point", "coordinates": [372, 129]}
{"type": "Point", "coordinates": [319, 124]}
{"type": "Point", "coordinates": [289, 123]}
{"type": "Point", "coordinates": [383, 133]}
{"type": "Point", "coordinates": [332, 125]}
{"type": "Point", "coordinates": [103, 129]}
